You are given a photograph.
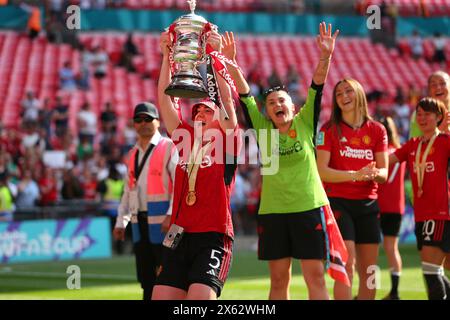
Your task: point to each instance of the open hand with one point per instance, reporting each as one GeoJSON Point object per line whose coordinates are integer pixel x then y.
{"type": "Point", "coordinates": [215, 40]}
{"type": "Point", "coordinates": [229, 46]}
{"type": "Point", "coordinates": [326, 41]}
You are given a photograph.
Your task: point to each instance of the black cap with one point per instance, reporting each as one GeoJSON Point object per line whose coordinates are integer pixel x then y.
{"type": "Point", "coordinates": [146, 108]}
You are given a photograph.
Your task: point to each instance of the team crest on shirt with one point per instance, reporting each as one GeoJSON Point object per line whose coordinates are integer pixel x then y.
{"type": "Point", "coordinates": [320, 140]}
{"type": "Point", "coordinates": [366, 140]}
{"type": "Point", "coordinates": [292, 133]}
{"type": "Point", "coordinates": [355, 141]}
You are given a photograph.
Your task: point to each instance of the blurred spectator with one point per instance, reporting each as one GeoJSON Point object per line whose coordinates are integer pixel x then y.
{"type": "Point", "coordinates": [85, 4]}
{"type": "Point", "coordinates": [98, 4]}
{"type": "Point", "coordinates": [11, 143]}
{"type": "Point", "coordinates": [56, 8]}
{"type": "Point", "coordinates": [111, 190]}
{"type": "Point", "coordinates": [129, 134]}
{"type": "Point", "coordinates": [61, 117]}
{"type": "Point", "coordinates": [3, 163]}
{"type": "Point", "coordinates": [102, 168]}
{"type": "Point", "coordinates": [48, 186]}
{"type": "Point", "coordinates": [292, 78]}
{"type": "Point", "coordinates": [413, 94]}
{"type": "Point", "coordinates": [30, 109]}
{"type": "Point", "coordinates": [89, 185]}
{"type": "Point", "coordinates": [274, 79]}
{"type": "Point", "coordinates": [71, 188]}
{"type": "Point", "coordinates": [85, 149]}
{"type": "Point", "coordinates": [129, 50]}
{"type": "Point", "coordinates": [115, 159]}
{"type": "Point", "coordinates": [53, 30]}
{"type": "Point", "coordinates": [293, 85]}
{"type": "Point", "coordinates": [28, 191]}
{"type": "Point", "coordinates": [416, 44]}
{"type": "Point", "coordinates": [34, 20]}
{"type": "Point", "coordinates": [401, 117]}
{"type": "Point", "coordinates": [87, 123]}
{"type": "Point", "coordinates": [255, 74]}
{"type": "Point", "coordinates": [85, 71]}
{"type": "Point", "coordinates": [439, 48]}
{"type": "Point", "coordinates": [45, 118]}
{"type": "Point", "coordinates": [100, 61]}
{"type": "Point", "coordinates": [31, 139]}
{"type": "Point", "coordinates": [108, 121]}
{"type": "Point", "coordinates": [6, 199]}
{"type": "Point", "coordinates": [67, 79]}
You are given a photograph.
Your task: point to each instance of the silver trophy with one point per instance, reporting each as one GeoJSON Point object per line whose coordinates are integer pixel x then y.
{"type": "Point", "coordinates": [188, 52]}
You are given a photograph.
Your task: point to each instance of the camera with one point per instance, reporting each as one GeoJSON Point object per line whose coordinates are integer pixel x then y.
{"type": "Point", "coordinates": [173, 236]}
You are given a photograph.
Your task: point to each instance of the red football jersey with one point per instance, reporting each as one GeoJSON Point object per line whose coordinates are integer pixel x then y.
{"type": "Point", "coordinates": [352, 150]}
{"type": "Point", "coordinates": [391, 194]}
{"type": "Point", "coordinates": [433, 204]}
{"type": "Point", "coordinates": [211, 211]}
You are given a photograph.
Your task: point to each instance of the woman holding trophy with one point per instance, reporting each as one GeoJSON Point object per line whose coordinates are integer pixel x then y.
{"type": "Point", "coordinates": [196, 262]}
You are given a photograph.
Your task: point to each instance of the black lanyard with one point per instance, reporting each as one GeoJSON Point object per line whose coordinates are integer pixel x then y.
{"type": "Point", "coordinates": [138, 168]}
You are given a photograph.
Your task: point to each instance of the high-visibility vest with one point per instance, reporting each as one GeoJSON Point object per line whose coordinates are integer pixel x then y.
{"type": "Point", "coordinates": [159, 189]}
{"type": "Point", "coordinates": [6, 204]}
{"type": "Point", "coordinates": [114, 189]}
{"type": "Point", "coordinates": [34, 22]}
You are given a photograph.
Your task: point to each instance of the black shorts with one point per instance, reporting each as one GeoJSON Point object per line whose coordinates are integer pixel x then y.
{"type": "Point", "coordinates": [199, 258]}
{"type": "Point", "coordinates": [390, 224]}
{"type": "Point", "coordinates": [297, 235]}
{"type": "Point", "coordinates": [357, 219]}
{"type": "Point", "coordinates": [434, 233]}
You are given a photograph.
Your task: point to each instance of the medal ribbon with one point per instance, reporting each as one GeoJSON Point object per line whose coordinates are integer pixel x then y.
{"type": "Point", "coordinates": [420, 164]}
{"type": "Point", "coordinates": [194, 164]}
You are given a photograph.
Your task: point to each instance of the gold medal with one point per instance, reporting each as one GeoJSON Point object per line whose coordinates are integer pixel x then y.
{"type": "Point", "coordinates": [191, 198]}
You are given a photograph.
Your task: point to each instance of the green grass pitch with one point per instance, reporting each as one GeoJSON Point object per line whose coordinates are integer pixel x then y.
{"type": "Point", "coordinates": [114, 278]}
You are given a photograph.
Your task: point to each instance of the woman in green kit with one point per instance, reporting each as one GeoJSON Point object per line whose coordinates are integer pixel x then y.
{"type": "Point", "coordinates": [290, 219]}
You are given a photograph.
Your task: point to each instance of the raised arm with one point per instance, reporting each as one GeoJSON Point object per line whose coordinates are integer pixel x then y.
{"type": "Point", "coordinates": [325, 42]}
{"type": "Point", "coordinates": [168, 111]}
{"type": "Point", "coordinates": [229, 51]}
{"type": "Point", "coordinates": [215, 41]}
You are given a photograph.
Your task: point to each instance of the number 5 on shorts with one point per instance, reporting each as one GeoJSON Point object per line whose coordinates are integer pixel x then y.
{"type": "Point", "coordinates": [214, 258]}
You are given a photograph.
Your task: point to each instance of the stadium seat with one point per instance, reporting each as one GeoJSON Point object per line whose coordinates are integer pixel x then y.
{"type": "Point", "coordinates": [28, 65]}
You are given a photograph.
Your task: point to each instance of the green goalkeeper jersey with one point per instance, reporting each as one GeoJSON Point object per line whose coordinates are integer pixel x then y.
{"type": "Point", "coordinates": [290, 179]}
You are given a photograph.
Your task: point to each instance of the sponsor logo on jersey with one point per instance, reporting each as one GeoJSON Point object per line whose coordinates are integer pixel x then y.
{"type": "Point", "coordinates": [348, 152]}
{"type": "Point", "coordinates": [343, 139]}
{"type": "Point", "coordinates": [297, 147]}
{"type": "Point", "coordinates": [206, 162]}
{"type": "Point", "coordinates": [429, 167]}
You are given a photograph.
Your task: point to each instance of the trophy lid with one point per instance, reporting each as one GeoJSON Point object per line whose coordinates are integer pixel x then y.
{"type": "Point", "coordinates": [191, 18]}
